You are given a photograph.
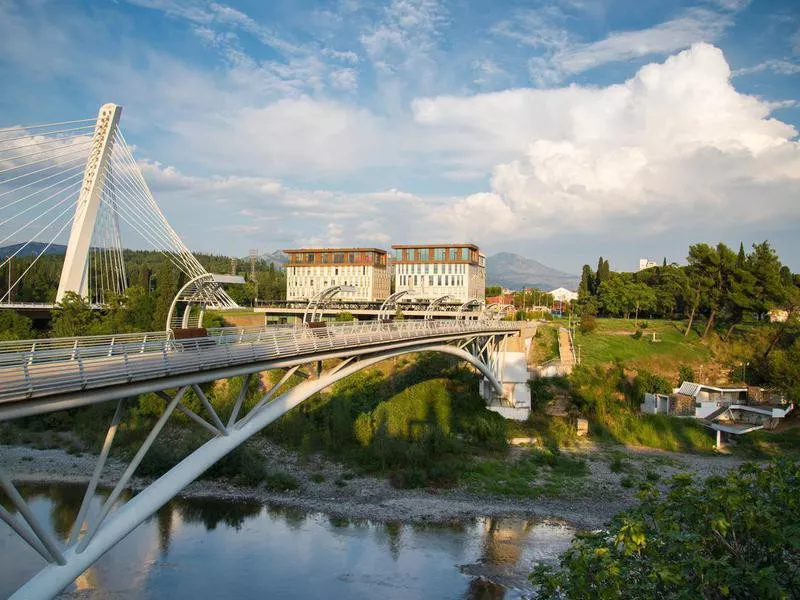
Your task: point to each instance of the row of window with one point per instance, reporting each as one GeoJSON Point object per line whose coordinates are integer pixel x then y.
{"type": "Point", "coordinates": [327, 270]}
{"type": "Point", "coordinates": [337, 258]}
{"type": "Point", "coordinates": [446, 280]}
{"type": "Point", "coordinates": [434, 268]}
{"type": "Point", "coordinates": [440, 254]}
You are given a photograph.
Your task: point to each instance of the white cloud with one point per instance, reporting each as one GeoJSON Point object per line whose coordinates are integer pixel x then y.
{"type": "Point", "coordinates": [676, 144]}
{"type": "Point", "coordinates": [563, 54]}
{"type": "Point", "coordinates": [344, 79]}
{"type": "Point", "coordinates": [345, 56]}
{"type": "Point", "coordinates": [777, 66]}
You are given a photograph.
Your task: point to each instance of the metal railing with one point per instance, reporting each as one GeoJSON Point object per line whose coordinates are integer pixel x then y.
{"type": "Point", "coordinates": [55, 366]}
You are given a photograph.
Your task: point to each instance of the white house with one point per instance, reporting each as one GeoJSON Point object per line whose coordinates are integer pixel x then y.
{"type": "Point", "coordinates": [563, 295]}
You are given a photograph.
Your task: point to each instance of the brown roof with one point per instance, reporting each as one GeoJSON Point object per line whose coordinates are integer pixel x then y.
{"type": "Point", "coordinates": [453, 245]}
{"type": "Point", "coordinates": [335, 250]}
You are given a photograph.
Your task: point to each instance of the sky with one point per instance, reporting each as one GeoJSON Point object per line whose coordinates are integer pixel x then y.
{"type": "Point", "coordinates": [560, 131]}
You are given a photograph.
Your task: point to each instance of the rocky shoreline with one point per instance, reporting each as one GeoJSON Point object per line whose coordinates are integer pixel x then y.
{"type": "Point", "coordinates": [331, 488]}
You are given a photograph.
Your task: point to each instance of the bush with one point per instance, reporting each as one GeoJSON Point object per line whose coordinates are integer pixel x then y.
{"type": "Point", "coordinates": [729, 537]}
{"type": "Point", "coordinates": [685, 373]}
{"type": "Point", "coordinates": [588, 323]}
{"type": "Point", "coordinates": [279, 481]}
{"type": "Point", "coordinates": [637, 335]}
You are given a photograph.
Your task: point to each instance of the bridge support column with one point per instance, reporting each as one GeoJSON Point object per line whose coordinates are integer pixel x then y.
{"type": "Point", "coordinates": [74, 274]}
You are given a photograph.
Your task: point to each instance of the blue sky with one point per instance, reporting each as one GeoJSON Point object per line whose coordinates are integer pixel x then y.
{"type": "Point", "coordinates": [557, 130]}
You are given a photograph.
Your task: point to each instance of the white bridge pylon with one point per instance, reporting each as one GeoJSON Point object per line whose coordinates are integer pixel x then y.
{"type": "Point", "coordinates": [81, 176]}
{"type": "Point", "coordinates": [172, 368]}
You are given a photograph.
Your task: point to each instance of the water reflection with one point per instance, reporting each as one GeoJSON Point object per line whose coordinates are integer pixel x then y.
{"type": "Point", "coordinates": [285, 552]}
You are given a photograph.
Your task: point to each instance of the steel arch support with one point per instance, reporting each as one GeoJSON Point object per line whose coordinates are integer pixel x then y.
{"type": "Point", "coordinates": [51, 580]}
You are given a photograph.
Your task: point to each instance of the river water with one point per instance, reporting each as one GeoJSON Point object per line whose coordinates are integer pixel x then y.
{"type": "Point", "coordinates": [217, 549]}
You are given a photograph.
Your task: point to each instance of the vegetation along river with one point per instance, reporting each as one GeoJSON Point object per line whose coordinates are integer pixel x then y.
{"type": "Point", "coordinates": [200, 548]}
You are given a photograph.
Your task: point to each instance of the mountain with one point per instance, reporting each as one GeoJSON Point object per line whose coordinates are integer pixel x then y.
{"type": "Point", "coordinates": [32, 249]}
{"type": "Point", "coordinates": [277, 258]}
{"type": "Point", "coordinates": [515, 272]}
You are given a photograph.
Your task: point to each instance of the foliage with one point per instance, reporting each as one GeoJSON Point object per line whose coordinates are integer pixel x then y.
{"type": "Point", "coordinates": [344, 316]}
{"type": "Point", "coordinates": [72, 316]}
{"type": "Point", "coordinates": [685, 373]}
{"type": "Point", "coordinates": [588, 323]}
{"type": "Point", "coordinates": [493, 290]}
{"type": "Point", "coordinates": [730, 537]}
{"type": "Point", "coordinates": [14, 326]}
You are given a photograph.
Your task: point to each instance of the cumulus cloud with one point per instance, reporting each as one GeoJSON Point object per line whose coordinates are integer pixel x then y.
{"type": "Point", "coordinates": [675, 144]}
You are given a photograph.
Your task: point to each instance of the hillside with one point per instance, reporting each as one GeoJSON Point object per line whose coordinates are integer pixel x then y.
{"type": "Point", "coordinates": [515, 272]}
{"type": "Point", "coordinates": [32, 249]}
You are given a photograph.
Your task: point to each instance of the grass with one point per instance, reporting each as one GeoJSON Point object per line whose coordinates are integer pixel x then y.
{"type": "Point", "coordinates": [612, 340]}
{"type": "Point", "coordinates": [653, 431]}
{"type": "Point", "coordinates": [537, 472]}
{"type": "Point", "coordinates": [545, 344]}
{"type": "Point", "coordinates": [767, 444]}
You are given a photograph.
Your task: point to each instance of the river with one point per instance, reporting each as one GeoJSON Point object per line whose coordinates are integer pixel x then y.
{"type": "Point", "coordinates": [196, 549]}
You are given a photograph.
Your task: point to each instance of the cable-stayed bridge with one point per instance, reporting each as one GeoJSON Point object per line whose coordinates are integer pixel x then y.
{"type": "Point", "coordinates": [77, 183]}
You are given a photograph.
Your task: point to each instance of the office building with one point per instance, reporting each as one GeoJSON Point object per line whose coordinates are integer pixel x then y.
{"type": "Point", "coordinates": [435, 270]}
{"type": "Point", "coordinates": [311, 270]}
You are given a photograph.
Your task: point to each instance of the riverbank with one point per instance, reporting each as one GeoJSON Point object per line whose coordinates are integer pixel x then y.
{"type": "Point", "coordinates": [585, 502]}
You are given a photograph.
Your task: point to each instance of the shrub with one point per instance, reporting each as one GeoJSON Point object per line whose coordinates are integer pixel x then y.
{"type": "Point", "coordinates": [637, 335]}
{"type": "Point", "coordinates": [280, 482]}
{"type": "Point", "coordinates": [588, 323]}
{"type": "Point", "coordinates": [729, 537]}
{"type": "Point", "coordinates": [685, 373]}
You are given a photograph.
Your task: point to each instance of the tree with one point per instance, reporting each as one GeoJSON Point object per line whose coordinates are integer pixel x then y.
{"type": "Point", "coordinates": [72, 316]}
{"type": "Point", "coordinates": [14, 326]}
{"type": "Point", "coordinates": [729, 537]}
{"type": "Point", "coordinates": [702, 260]}
{"type": "Point", "coordinates": [493, 290]}
{"type": "Point", "coordinates": [642, 296]}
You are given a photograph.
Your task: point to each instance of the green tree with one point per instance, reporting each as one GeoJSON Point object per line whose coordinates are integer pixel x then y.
{"type": "Point", "coordinates": [730, 537]}
{"type": "Point", "coordinates": [72, 317]}
{"type": "Point", "coordinates": [493, 290]}
{"type": "Point", "coordinates": [703, 261]}
{"type": "Point", "coordinates": [14, 326]}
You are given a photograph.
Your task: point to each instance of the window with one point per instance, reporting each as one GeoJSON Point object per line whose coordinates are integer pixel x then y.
{"type": "Point", "coordinates": [438, 254]}
{"type": "Point", "coordinates": [423, 254]}
{"type": "Point", "coordinates": [310, 257]}
{"type": "Point", "coordinates": [338, 257]}
{"type": "Point", "coordinates": [398, 254]}
{"type": "Point", "coordinates": [447, 280]}
{"type": "Point", "coordinates": [325, 257]}
{"type": "Point", "coordinates": [465, 254]}
{"type": "Point", "coordinates": [411, 254]}
{"type": "Point", "coordinates": [336, 271]}
{"type": "Point", "coordinates": [351, 257]}
{"type": "Point", "coordinates": [430, 280]}
{"type": "Point", "coordinates": [363, 270]}
{"type": "Point", "coordinates": [415, 280]}
{"type": "Point", "coordinates": [453, 252]}
{"type": "Point", "coordinates": [435, 268]}
{"type": "Point", "coordinates": [439, 281]}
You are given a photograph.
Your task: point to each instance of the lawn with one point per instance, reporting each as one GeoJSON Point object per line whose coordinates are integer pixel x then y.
{"type": "Point", "coordinates": [613, 340]}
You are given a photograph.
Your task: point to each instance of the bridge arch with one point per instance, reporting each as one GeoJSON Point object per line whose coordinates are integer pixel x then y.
{"type": "Point", "coordinates": [53, 578]}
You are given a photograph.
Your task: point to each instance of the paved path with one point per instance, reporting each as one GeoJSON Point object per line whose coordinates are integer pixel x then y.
{"type": "Point", "coordinates": [565, 348]}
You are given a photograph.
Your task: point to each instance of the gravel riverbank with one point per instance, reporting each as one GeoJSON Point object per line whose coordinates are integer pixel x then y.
{"type": "Point", "coordinates": [589, 504]}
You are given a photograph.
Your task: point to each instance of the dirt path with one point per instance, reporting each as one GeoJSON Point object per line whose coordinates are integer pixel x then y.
{"type": "Point", "coordinates": [565, 347]}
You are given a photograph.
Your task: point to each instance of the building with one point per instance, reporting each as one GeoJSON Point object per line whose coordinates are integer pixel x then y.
{"type": "Point", "coordinates": [311, 270]}
{"type": "Point", "coordinates": [646, 263]}
{"type": "Point", "coordinates": [563, 295]}
{"type": "Point", "coordinates": [435, 270]}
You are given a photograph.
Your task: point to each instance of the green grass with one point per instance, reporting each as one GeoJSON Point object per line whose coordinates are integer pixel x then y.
{"type": "Point", "coordinates": [766, 444]}
{"type": "Point", "coordinates": [537, 472]}
{"type": "Point", "coordinates": [612, 340]}
{"type": "Point", "coordinates": [653, 431]}
{"type": "Point", "coordinates": [545, 344]}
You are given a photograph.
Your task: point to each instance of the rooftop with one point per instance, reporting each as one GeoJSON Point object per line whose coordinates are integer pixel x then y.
{"type": "Point", "coordinates": [295, 250]}
{"type": "Point", "coordinates": [453, 245]}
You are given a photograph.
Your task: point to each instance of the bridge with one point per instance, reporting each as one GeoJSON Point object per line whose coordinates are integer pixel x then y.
{"type": "Point", "coordinates": [82, 175]}
{"type": "Point", "coordinates": [44, 376]}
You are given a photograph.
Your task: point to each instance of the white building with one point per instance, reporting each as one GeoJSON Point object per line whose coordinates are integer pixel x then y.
{"type": "Point", "coordinates": [432, 271]}
{"type": "Point", "coordinates": [646, 263]}
{"type": "Point", "coordinates": [311, 270]}
{"type": "Point", "coordinates": [563, 295]}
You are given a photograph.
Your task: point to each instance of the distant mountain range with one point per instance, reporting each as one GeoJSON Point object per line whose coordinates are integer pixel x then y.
{"type": "Point", "coordinates": [32, 249]}
{"type": "Point", "coordinates": [516, 272]}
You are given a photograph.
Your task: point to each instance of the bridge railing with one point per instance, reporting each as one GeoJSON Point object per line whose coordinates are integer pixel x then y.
{"type": "Point", "coordinates": [40, 372]}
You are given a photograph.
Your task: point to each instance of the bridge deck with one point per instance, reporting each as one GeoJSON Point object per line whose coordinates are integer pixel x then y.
{"type": "Point", "coordinates": [82, 364]}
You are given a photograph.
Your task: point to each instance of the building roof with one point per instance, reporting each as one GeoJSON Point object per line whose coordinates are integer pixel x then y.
{"type": "Point", "coordinates": [689, 388]}
{"type": "Point", "coordinates": [289, 251]}
{"type": "Point", "coordinates": [453, 245]}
